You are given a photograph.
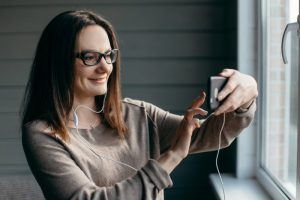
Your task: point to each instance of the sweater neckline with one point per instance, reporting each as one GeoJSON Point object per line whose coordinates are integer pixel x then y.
{"type": "Point", "coordinates": [100, 125]}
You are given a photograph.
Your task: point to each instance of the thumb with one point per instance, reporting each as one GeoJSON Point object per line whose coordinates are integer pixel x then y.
{"type": "Point", "coordinates": [227, 72]}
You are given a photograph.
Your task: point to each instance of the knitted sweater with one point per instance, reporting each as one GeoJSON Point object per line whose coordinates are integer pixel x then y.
{"type": "Point", "coordinates": [88, 167]}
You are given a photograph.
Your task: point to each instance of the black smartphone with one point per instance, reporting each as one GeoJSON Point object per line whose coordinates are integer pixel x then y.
{"type": "Point", "coordinates": [215, 85]}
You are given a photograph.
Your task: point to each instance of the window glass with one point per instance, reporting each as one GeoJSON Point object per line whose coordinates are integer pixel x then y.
{"type": "Point", "coordinates": [280, 98]}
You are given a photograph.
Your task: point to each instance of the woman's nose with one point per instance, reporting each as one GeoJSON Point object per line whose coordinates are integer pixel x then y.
{"type": "Point", "coordinates": [102, 66]}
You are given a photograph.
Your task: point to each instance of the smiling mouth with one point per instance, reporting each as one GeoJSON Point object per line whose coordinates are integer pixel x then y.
{"type": "Point", "coordinates": [98, 80]}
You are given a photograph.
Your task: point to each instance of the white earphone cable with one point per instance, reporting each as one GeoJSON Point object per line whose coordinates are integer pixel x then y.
{"type": "Point", "coordinates": [217, 156]}
{"type": "Point", "coordinates": [219, 147]}
{"type": "Point", "coordinates": [101, 156]}
{"type": "Point", "coordinates": [76, 122]}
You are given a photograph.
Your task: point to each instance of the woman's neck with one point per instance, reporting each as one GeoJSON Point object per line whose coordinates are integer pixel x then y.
{"type": "Point", "coordinates": [89, 102]}
{"type": "Point", "coordinates": [86, 117]}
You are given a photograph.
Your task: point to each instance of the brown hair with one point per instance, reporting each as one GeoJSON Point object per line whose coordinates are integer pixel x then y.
{"type": "Point", "coordinates": [49, 92]}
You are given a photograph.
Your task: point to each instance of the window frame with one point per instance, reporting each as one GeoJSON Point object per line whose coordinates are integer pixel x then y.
{"type": "Point", "coordinates": [267, 181]}
{"type": "Point", "coordinates": [298, 136]}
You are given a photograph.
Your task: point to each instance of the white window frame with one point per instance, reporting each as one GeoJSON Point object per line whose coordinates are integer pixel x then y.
{"type": "Point", "coordinates": [262, 176]}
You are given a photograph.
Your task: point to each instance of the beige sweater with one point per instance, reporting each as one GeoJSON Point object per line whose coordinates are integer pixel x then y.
{"type": "Point", "coordinates": [74, 171]}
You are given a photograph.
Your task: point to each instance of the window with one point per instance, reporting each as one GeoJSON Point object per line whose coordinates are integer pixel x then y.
{"type": "Point", "coordinates": [279, 96]}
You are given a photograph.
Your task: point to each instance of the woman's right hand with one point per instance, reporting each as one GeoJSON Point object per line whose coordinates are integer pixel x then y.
{"type": "Point", "coordinates": [182, 140]}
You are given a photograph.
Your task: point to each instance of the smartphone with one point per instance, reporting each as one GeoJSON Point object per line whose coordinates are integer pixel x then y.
{"type": "Point", "coordinates": [215, 85]}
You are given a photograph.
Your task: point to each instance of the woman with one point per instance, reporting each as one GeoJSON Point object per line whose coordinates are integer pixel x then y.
{"type": "Point", "coordinates": [83, 142]}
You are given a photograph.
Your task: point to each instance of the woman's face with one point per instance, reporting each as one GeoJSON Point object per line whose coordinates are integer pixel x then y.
{"type": "Point", "coordinates": [91, 81]}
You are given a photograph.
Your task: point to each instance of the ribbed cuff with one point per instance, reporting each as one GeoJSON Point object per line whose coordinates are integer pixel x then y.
{"type": "Point", "coordinates": [157, 175]}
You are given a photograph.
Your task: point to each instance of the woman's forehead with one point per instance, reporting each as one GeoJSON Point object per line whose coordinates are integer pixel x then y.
{"type": "Point", "coordinates": [92, 37]}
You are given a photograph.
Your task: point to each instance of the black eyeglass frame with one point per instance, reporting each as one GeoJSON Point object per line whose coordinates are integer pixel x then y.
{"type": "Point", "coordinates": [80, 55]}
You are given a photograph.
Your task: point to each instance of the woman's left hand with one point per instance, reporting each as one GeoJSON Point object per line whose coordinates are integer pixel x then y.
{"type": "Point", "coordinates": [240, 91]}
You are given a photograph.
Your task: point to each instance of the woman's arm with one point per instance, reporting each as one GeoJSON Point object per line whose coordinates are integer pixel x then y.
{"type": "Point", "coordinates": [206, 138]}
{"type": "Point", "coordinates": [60, 178]}
{"type": "Point", "coordinates": [181, 141]}
{"type": "Point", "coordinates": [240, 92]}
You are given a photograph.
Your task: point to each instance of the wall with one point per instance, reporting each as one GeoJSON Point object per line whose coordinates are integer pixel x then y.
{"type": "Point", "coordinates": [248, 63]}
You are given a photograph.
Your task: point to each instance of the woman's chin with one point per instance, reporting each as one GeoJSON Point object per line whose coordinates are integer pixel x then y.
{"type": "Point", "coordinates": [100, 91]}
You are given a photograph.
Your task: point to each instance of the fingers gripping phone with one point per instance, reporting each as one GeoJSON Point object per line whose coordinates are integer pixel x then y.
{"type": "Point", "coordinates": [215, 85]}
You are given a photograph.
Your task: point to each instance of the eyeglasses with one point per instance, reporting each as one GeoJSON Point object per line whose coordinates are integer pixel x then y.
{"type": "Point", "coordinates": [91, 58]}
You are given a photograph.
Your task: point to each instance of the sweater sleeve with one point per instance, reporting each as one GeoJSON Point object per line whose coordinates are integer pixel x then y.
{"type": "Point", "coordinates": [165, 123]}
{"type": "Point", "coordinates": [206, 137]}
{"type": "Point", "coordinates": [60, 178]}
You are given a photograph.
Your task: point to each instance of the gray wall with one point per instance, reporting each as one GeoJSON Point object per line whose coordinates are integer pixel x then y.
{"type": "Point", "coordinates": [169, 49]}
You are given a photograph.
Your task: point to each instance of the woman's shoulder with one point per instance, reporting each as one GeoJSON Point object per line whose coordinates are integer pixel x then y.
{"type": "Point", "coordinates": [138, 104]}
{"type": "Point", "coordinates": [36, 129]}
{"type": "Point", "coordinates": [37, 134]}
{"type": "Point", "coordinates": [133, 102]}
{"type": "Point", "coordinates": [152, 110]}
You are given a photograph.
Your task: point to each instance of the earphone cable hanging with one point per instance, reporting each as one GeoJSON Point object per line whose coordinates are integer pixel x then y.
{"type": "Point", "coordinates": [219, 147]}
{"type": "Point", "coordinates": [76, 122]}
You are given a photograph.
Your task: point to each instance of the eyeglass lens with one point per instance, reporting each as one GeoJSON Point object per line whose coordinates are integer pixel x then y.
{"type": "Point", "coordinates": [93, 58]}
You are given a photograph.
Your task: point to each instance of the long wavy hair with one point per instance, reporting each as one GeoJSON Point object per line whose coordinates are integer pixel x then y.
{"type": "Point", "coordinates": [49, 92]}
